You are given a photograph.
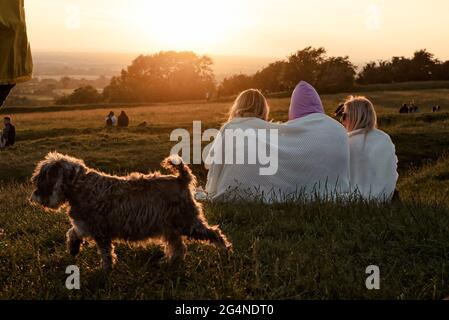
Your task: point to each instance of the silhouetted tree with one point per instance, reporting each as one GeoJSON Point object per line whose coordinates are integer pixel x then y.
{"type": "Point", "coordinates": [336, 74]}
{"type": "Point", "coordinates": [421, 67]}
{"type": "Point", "coordinates": [269, 78]}
{"type": "Point", "coordinates": [83, 95]}
{"type": "Point", "coordinates": [328, 74]}
{"type": "Point", "coordinates": [303, 65]}
{"type": "Point", "coordinates": [442, 71]}
{"type": "Point", "coordinates": [236, 83]}
{"type": "Point", "coordinates": [164, 76]}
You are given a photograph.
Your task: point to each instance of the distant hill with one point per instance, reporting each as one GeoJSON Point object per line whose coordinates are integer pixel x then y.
{"type": "Point", "coordinates": [88, 65]}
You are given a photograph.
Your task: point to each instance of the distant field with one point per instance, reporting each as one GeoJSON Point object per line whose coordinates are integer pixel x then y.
{"type": "Point", "coordinates": [297, 251]}
{"type": "Point", "coordinates": [82, 132]}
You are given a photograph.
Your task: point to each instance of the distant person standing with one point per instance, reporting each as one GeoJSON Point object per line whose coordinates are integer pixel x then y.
{"type": "Point", "coordinates": [123, 120]}
{"type": "Point", "coordinates": [16, 63]}
{"type": "Point", "coordinates": [8, 137]}
{"type": "Point", "coordinates": [111, 119]}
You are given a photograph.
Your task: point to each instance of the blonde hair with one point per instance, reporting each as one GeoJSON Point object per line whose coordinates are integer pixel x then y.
{"type": "Point", "coordinates": [250, 103]}
{"type": "Point", "coordinates": [360, 114]}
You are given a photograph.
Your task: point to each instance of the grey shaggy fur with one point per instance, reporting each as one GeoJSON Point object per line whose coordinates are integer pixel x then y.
{"type": "Point", "coordinates": [134, 208]}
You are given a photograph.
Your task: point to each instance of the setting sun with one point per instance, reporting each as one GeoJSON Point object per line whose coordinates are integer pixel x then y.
{"type": "Point", "coordinates": [264, 28]}
{"type": "Point", "coordinates": [195, 25]}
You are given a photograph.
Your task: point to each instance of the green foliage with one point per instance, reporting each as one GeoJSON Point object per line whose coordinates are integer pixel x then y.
{"type": "Point", "coordinates": [421, 67]}
{"type": "Point", "coordinates": [236, 83]}
{"type": "Point", "coordinates": [327, 74]}
{"type": "Point", "coordinates": [83, 95]}
{"type": "Point", "coordinates": [165, 76]}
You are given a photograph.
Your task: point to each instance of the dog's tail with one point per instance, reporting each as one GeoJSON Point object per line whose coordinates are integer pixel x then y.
{"type": "Point", "coordinates": [176, 165]}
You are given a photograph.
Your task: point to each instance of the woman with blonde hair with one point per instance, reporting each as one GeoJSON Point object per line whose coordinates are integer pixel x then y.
{"type": "Point", "coordinates": [373, 160]}
{"type": "Point", "coordinates": [250, 104]}
{"type": "Point", "coordinates": [306, 157]}
{"type": "Point", "coordinates": [248, 113]}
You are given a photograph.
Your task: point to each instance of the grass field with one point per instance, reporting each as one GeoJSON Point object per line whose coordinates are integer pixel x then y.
{"type": "Point", "coordinates": [287, 251]}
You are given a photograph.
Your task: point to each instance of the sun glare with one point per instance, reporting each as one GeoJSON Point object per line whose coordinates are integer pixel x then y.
{"type": "Point", "coordinates": [180, 24]}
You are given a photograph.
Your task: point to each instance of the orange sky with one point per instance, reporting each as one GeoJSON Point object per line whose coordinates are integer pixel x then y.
{"type": "Point", "coordinates": [362, 29]}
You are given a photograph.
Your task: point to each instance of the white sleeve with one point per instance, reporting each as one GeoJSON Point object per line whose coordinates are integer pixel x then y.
{"type": "Point", "coordinates": [215, 169]}
{"type": "Point", "coordinates": [391, 170]}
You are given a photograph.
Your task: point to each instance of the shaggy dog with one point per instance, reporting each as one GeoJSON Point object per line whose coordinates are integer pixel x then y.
{"type": "Point", "coordinates": [135, 208]}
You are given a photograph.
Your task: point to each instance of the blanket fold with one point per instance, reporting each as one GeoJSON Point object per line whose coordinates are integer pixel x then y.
{"type": "Point", "coordinates": [310, 155]}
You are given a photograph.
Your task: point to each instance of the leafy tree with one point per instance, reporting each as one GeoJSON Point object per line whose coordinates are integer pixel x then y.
{"type": "Point", "coordinates": [269, 78]}
{"type": "Point", "coordinates": [421, 67]}
{"type": "Point", "coordinates": [336, 74]}
{"type": "Point", "coordinates": [236, 84]}
{"type": "Point", "coordinates": [164, 76]}
{"type": "Point", "coordinates": [328, 74]}
{"type": "Point", "coordinates": [82, 95]}
{"type": "Point", "coordinates": [303, 65]}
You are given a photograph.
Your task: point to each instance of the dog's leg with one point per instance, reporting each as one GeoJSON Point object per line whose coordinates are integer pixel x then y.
{"type": "Point", "coordinates": [106, 250]}
{"type": "Point", "coordinates": [203, 232]}
{"type": "Point", "coordinates": [175, 248]}
{"type": "Point", "coordinates": [73, 242]}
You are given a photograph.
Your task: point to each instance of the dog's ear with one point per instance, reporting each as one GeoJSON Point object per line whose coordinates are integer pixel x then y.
{"type": "Point", "coordinates": [38, 172]}
{"type": "Point", "coordinates": [70, 173]}
{"type": "Point", "coordinates": [54, 172]}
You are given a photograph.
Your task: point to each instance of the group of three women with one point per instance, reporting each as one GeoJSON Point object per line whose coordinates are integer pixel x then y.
{"type": "Point", "coordinates": [315, 155]}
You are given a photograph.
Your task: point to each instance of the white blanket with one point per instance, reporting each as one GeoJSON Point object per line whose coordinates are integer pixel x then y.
{"type": "Point", "coordinates": [373, 164]}
{"type": "Point", "coordinates": [312, 160]}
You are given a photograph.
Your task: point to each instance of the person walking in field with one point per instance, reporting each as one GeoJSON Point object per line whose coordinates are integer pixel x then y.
{"type": "Point", "coordinates": [16, 63]}
{"type": "Point", "coordinates": [123, 120]}
{"type": "Point", "coordinates": [373, 160]}
{"type": "Point", "coordinates": [8, 137]}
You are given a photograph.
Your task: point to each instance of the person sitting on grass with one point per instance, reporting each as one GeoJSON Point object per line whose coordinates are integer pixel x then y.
{"type": "Point", "coordinates": [8, 137]}
{"type": "Point", "coordinates": [304, 158]}
{"type": "Point", "coordinates": [111, 120]}
{"type": "Point", "coordinates": [123, 120]}
{"type": "Point", "coordinates": [436, 109]}
{"type": "Point", "coordinates": [404, 108]}
{"type": "Point", "coordinates": [249, 111]}
{"type": "Point", "coordinates": [373, 161]}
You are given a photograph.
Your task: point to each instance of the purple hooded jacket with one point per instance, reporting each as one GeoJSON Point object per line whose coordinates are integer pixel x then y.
{"type": "Point", "coordinates": [305, 101]}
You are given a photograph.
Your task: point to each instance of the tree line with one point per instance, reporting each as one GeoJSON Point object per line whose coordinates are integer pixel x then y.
{"type": "Point", "coordinates": [175, 76]}
{"type": "Point", "coordinates": [423, 66]}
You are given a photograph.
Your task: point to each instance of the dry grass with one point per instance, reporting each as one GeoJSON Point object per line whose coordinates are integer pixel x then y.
{"type": "Point", "coordinates": [304, 251]}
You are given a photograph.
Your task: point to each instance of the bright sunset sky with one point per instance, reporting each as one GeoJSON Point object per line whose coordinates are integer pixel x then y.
{"type": "Point", "coordinates": [362, 29]}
